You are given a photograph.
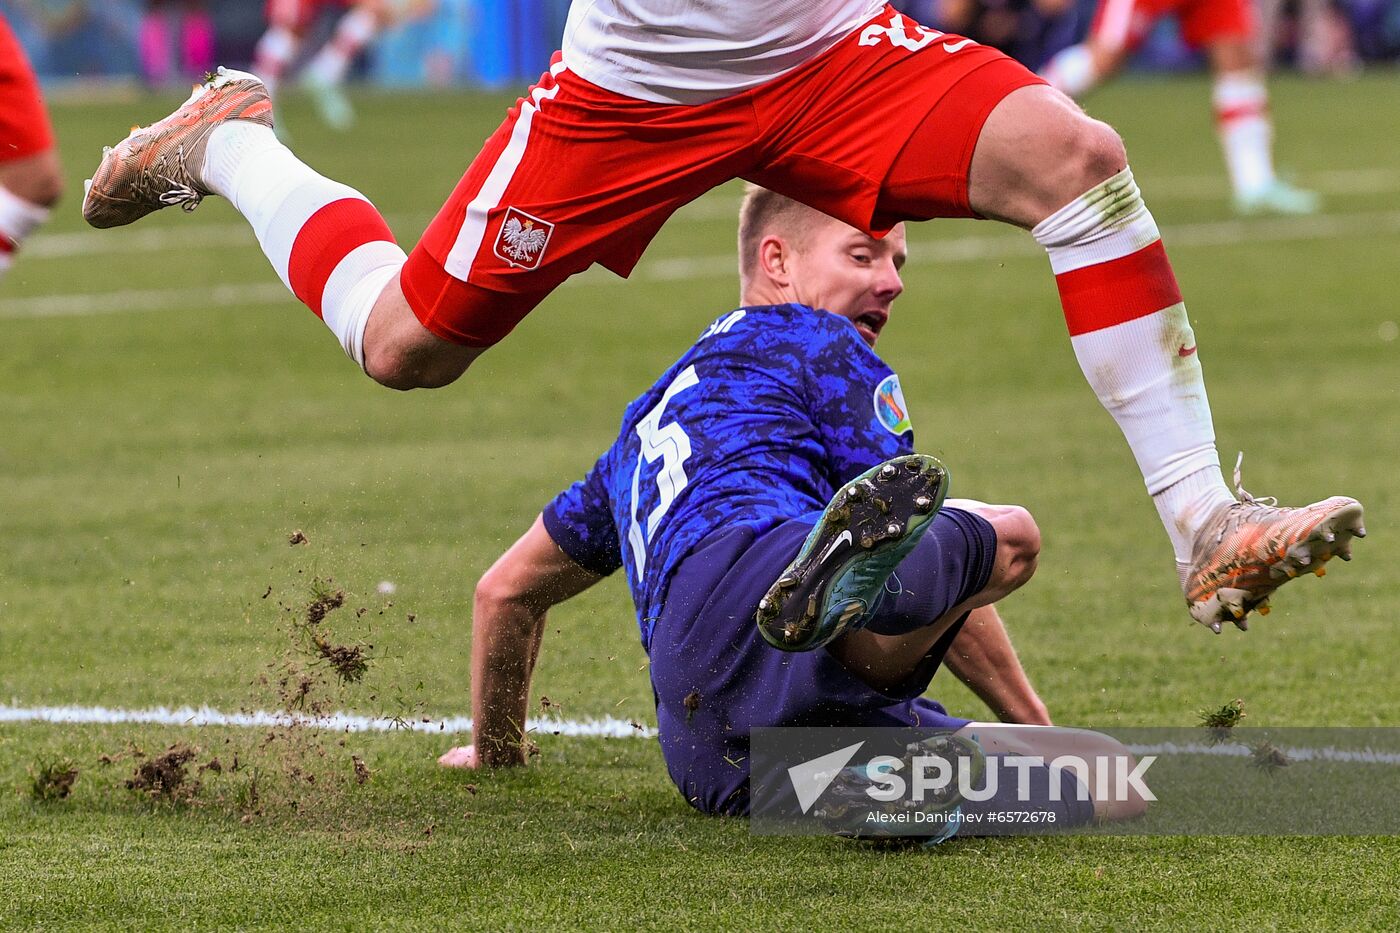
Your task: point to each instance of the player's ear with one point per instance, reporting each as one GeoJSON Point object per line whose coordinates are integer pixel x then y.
{"type": "Point", "coordinates": [774, 259]}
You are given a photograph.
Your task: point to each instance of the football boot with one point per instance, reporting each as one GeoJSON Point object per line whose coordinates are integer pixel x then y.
{"type": "Point", "coordinates": [159, 165]}
{"type": "Point", "coordinates": [1247, 549]}
{"type": "Point", "coordinates": [870, 525]}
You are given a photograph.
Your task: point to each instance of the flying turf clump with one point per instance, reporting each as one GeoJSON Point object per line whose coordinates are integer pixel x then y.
{"type": "Point", "coordinates": [166, 777]}
{"type": "Point", "coordinates": [350, 662]}
{"type": "Point", "coordinates": [1268, 757]}
{"type": "Point", "coordinates": [1219, 722]}
{"type": "Point", "coordinates": [53, 780]}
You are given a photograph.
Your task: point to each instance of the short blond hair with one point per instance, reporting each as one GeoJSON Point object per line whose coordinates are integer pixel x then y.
{"type": "Point", "coordinates": [764, 213]}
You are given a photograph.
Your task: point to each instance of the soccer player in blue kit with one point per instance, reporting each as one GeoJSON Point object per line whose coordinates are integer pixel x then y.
{"type": "Point", "coordinates": [717, 483]}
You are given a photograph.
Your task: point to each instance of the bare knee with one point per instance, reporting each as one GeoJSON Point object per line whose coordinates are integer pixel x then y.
{"type": "Point", "coordinates": [38, 179]}
{"type": "Point", "coordinates": [404, 367]}
{"type": "Point", "coordinates": [1037, 152]}
{"type": "Point", "coordinates": [402, 354]}
{"type": "Point", "coordinates": [1018, 547]}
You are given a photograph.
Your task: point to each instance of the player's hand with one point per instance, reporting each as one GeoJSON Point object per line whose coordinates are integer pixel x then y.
{"type": "Point", "coordinates": [463, 756]}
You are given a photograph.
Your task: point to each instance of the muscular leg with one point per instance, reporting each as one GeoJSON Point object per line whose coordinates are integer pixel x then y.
{"type": "Point", "coordinates": [1042, 164]}
{"type": "Point", "coordinates": [403, 354]}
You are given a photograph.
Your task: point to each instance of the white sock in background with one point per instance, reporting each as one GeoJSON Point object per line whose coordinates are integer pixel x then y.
{"type": "Point", "coordinates": [1247, 136]}
{"type": "Point", "coordinates": [18, 218]}
{"type": "Point", "coordinates": [1071, 71]}
{"type": "Point", "coordinates": [352, 33]}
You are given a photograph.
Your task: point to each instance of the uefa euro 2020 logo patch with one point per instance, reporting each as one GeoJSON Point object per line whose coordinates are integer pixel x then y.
{"type": "Point", "coordinates": [522, 239]}
{"type": "Point", "coordinates": [890, 408]}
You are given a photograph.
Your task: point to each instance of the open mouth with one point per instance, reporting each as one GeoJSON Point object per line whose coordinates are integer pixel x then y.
{"type": "Point", "coordinates": [871, 323]}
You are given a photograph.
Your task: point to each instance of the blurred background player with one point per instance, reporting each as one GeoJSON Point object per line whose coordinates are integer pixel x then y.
{"type": "Point", "coordinates": [1227, 30]}
{"type": "Point", "coordinates": [358, 22]}
{"type": "Point", "coordinates": [30, 176]}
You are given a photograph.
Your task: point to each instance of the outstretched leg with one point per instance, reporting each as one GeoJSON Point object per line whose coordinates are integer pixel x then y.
{"type": "Point", "coordinates": [1042, 164]}
{"type": "Point", "coordinates": [325, 240]}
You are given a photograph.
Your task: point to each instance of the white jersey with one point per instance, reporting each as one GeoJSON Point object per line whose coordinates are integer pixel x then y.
{"type": "Point", "coordinates": [692, 51]}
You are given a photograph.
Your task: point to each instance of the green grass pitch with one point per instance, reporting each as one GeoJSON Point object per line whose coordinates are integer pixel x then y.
{"type": "Point", "coordinates": [168, 418]}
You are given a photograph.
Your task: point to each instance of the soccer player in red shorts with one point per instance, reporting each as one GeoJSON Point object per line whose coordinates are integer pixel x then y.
{"type": "Point", "coordinates": [1226, 29]}
{"type": "Point", "coordinates": [30, 177]}
{"type": "Point", "coordinates": [844, 105]}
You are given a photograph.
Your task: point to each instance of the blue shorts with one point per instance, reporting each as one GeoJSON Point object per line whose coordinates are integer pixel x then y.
{"type": "Point", "coordinates": [715, 678]}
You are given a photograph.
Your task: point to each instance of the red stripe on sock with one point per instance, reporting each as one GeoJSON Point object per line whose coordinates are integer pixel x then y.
{"type": "Point", "coordinates": [326, 238]}
{"type": "Point", "coordinates": [1241, 112]}
{"type": "Point", "coordinates": [1117, 291]}
{"type": "Point", "coordinates": [7, 245]}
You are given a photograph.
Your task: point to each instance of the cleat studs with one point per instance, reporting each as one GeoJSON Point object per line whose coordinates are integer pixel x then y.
{"type": "Point", "coordinates": [1291, 571]}
{"type": "Point", "coordinates": [882, 505]}
{"type": "Point", "coordinates": [1360, 531]}
{"type": "Point", "coordinates": [1320, 571]}
{"type": "Point", "coordinates": [787, 582]}
{"type": "Point", "coordinates": [855, 493]}
{"type": "Point", "coordinates": [1264, 608]}
{"type": "Point", "coordinates": [1329, 536]}
{"type": "Point", "coordinates": [887, 472]}
{"type": "Point", "coordinates": [894, 529]}
{"type": "Point", "coordinates": [1215, 627]}
{"type": "Point", "coordinates": [913, 466]}
{"type": "Point", "coordinates": [923, 504]}
{"type": "Point", "coordinates": [867, 541]}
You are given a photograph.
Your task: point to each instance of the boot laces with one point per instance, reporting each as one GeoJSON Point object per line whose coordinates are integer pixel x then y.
{"type": "Point", "coordinates": [1249, 507]}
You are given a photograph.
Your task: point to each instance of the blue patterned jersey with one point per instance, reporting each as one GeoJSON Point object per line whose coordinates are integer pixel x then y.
{"type": "Point", "coordinates": [761, 421]}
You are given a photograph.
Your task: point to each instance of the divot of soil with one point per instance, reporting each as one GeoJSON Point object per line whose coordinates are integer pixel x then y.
{"type": "Point", "coordinates": [166, 776]}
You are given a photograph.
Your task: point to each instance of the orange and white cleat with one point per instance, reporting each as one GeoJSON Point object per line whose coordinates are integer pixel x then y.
{"type": "Point", "coordinates": [159, 165]}
{"type": "Point", "coordinates": [1247, 549]}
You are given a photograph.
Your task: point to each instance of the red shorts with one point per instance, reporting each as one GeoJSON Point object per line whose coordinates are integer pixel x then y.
{"type": "Point", "coordinates": [1123, 24]}
{"type": "Point", "coordinates": [297, 15]}
{"type": "Point", "coordinates": [24, 123]}
{"type": "Point", "coordinates": [578, 174]}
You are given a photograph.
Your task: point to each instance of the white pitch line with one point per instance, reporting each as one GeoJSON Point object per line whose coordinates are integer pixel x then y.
{"type": "Point", "coordinates": [1326, 753]}
{"type": "Point", "coordinates": [607, 727]}
{"type": "Point", "coordinates": [1003, 245]}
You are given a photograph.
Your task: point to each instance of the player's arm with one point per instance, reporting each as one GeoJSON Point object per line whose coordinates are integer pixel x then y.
{"type": "Point", "coordinates": [508, 618]}
{"type": "Point", "coordinates": [982, 657]}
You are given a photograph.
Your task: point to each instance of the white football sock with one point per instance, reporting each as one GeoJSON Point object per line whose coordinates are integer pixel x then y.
{"type": "Point", "coordinates": [1246, 135]}
{"type": "Point", "coordinates": [18, 218]}
{"type": "Point", "coordinates": [1130, 333]}
{"type": "Point", "coordinates": [326, 241]}
{"type": "Point", "coordinates": [352, 33]}
{"type": "Point", "coordinates": [274, 52]}
{"type": "Point", "coordinates": [1072, 71]}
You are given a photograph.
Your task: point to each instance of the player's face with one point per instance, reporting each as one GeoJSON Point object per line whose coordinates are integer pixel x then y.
{"type": "Point", "coordinates": [851, 274]}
